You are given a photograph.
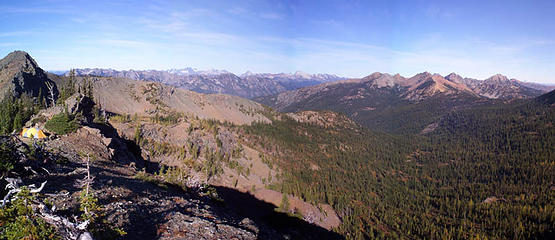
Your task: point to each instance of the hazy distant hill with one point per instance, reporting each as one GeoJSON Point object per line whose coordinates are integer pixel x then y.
{"type": "Point", "coordinates": [247, 85]}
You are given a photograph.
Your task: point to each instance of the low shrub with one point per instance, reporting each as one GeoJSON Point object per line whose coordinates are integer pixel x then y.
{"type": "Point", "coordinates": [62, 123]}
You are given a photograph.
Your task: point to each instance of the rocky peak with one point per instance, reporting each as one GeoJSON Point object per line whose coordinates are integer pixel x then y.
{"type": "Point", "coordinates": [20, 73]}
{"type": "Point", "coordinates": [437, 77]}
{"type": "Point", "coordinates": [381, 80]}
{"type": "Point", "coordinates": [183, 71]}
{"type": "Point", "coordinates": [302, 74]}
{"type": "Point", "coordinates": [424, 74]}
{"type": "Point", "coordinates": [20, 59]}
{"type": "Point", "coordinates": [500, 86]}
{"type": "Point", "coordinates": [248, 85]}
{"type": "Point", "coordinates": [453, 77]}
{"type": "Point", "coordinates": [373, 76]}
{"type": "Point", "coordinates": [424, 85]}
{"type": "Point", "coordinates": [246, 74]}
{"type": "Point", "coordinates": [499, 78]}
{"type": "Point", "coordinates": [419, 78]}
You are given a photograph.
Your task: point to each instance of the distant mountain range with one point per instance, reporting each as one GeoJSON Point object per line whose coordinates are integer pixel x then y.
{"type": "Point", "coordinates": [252, 85]}
{"type": "Point", "coordinates": [378, 100]}
{"type": "Point", "coordinates": [247, 85]}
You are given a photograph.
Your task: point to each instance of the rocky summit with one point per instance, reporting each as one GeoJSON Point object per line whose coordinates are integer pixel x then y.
{"type": "Point", "coordinates": [20, 74]}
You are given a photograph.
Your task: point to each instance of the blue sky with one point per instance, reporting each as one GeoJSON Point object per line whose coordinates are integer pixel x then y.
{"type": "Point", "coordinates": [350, 38]}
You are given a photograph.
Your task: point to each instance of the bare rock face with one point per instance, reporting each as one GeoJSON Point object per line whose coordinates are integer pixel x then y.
{"type": "Point", "coordinates": [183, 226]}
{"type": "Point", "coordinates": [499, 86]}
{"type": "Point", "coordinates": [20, 74]}
{"type": "Point", "coordinates": [109, 147]}
{"type": "Point", "coordinates": [79, 103]}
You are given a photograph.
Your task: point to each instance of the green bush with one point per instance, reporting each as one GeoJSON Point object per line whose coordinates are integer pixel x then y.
{"type": "Point", "coordinates": [17, 220]}
{"type": "Point", "coordinates": [7, 158]}
{"type": "Point", "coordinates": [62, 123]}
{"type": "Point", "coordinates": [88, 205]}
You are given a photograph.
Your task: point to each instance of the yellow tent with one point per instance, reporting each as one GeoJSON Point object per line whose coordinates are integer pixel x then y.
{"type": "Point", "coordinates": [32, 132]}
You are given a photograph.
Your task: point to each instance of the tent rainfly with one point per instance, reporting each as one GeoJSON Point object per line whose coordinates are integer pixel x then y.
{"type": "Point", "coordinates": [32, 133]}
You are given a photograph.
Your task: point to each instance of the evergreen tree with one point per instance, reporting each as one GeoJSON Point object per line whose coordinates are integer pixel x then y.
{"type": "Point", "coordinates": [17, 121]}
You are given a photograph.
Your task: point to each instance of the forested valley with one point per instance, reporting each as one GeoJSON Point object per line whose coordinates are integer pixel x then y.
{"type": "Point", "coordinates": [483, 173]}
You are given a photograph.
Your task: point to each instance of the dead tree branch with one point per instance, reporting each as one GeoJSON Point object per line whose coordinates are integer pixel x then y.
{"type": "Point", "coordinates": [51, 96]}
{"type": "Point", "coordinates": [13, 185]}
{"type": "Point", "coordinates": [67, 228]}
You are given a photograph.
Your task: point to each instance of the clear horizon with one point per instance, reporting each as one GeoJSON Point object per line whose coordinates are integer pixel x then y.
{"type": "Point", "coordinates": [348, 38]}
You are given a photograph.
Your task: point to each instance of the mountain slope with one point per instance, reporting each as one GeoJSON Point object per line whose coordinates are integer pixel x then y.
{"type": "Point", "coordinates": [247, 85]}
{"type": "Point", "coordinates": [126, 96]}
{"type": "Point", "coordinates": [548, 98]}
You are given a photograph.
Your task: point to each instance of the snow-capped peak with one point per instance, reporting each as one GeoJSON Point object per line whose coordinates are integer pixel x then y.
{"type": "Point", "coordinates": [302, 74]}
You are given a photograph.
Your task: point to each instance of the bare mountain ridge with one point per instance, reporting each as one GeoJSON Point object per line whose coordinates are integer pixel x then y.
{"type": "Point", "coordinates": [247, 85]}
{"type": "Point", "coordinates": [425, 84]}
{"type": "Point", "coordinates": [377, 100]}
{"type": "Point", "coordinates": [127, 96]}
